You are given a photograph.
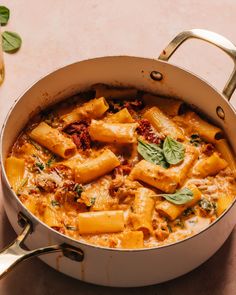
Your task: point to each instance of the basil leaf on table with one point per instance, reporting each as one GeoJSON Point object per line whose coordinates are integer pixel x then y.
{"type": "Point", "coordinates": [173, 150]}
{"type": "Point", "coordinates": [4, 15]}
{"type": "Point", "coordinates": [180, 197]}
{"type": "Point", "coordinates": [151, 152]}
{"type": "Point", "coordinates": [11, 41]}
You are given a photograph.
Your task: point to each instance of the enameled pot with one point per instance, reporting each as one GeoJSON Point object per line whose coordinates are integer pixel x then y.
{"type": "Point", "coordinates": [118, 267]}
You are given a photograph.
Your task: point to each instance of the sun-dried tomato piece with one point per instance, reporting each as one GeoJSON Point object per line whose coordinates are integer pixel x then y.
{"type": "Point", "coordinates": [80, 134]}
{"type": "Point", "coordinates": [145, 129]}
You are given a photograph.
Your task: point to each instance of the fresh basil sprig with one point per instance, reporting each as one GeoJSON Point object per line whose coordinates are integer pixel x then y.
{"type": "Point", "coordinates": [152, 153]}
{"type": "Point", "coordinates": [180, 197]}
{"type": "Point", "coordinates": [172, 152]}
{"type": "Point", "coordinates": [4, 15]}
{"type": "Point", "coordinates": [11, 42]}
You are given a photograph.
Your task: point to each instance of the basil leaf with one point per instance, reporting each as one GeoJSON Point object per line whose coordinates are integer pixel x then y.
{"type": "Point", "coordinates": [179, 197]}
{"type": "Point", "coordinates": [11, 41]}
{"type": "Point", "coordinates": [151, 152]}
{"type": "Point", "coordinates": [173, 150]}
{"type": "Point", "coordinates": [4, 15]}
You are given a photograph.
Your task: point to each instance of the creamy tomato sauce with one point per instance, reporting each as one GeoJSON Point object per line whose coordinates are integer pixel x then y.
{"type": "Point", "coordinates": [123, 169]}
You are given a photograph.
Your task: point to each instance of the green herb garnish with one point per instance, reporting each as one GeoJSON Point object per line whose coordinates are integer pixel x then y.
{"type": "Point", "coordinates": [4, 15]}
{"type": "Point", "coordinates": [92, 202]}
{"type": "Point", "coordinates": [180, 197]}
{"type": "Point", "coordinates": [40, 165]}
{"type": "Point", "coordinates": [11, 42]}
{"type": "Point", "coordinates": [169, 228]}
{"type": "Point", "coordinates": [55, 203]}
{"type": "Point", "coordinates": [22, 184]}
{"type": "Point", "coordinates": [179, 222]}
{"type": "Point", "coordinates": [51, 161]}
{"type": "Point", "coordinates": [207, 205]}
{"type": "Point", "coordinates": [37, 146]}
{"type": "Point", "coordinates": [173, 150]}
{"type": "Point", "coordinates": [195, 139]}
{"type": "Point", "coordinates": [79, 189]}
{"type": "Point", "coordinates": [152, 152]}
{"type": "Point", "coordinates": [188, 211]}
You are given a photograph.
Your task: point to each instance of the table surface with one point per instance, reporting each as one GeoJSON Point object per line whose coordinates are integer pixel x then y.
{"type": "Point", "coordinates": [56, 33]}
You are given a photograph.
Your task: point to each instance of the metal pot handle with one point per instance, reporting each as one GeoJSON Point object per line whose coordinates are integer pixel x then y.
{"type": "Point", "coordinates": [14, 253]}
{"type": "Point", "coordinates": [213, 38]}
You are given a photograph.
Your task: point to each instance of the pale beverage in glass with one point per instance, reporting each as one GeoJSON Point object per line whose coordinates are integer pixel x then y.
{"type": "Point", "coordinates": [1, 60]}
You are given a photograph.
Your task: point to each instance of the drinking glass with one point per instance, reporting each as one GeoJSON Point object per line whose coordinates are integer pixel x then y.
{"type": "Point", "coordinates": [1, 60]}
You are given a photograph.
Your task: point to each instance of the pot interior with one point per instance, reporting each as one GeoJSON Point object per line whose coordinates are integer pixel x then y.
{"type": "Point", "coordinates": [120, 71]}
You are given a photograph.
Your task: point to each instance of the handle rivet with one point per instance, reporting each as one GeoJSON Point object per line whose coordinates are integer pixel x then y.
{"type": "Point", "coordinates": [220, 113]}
{"type": "Point", "coordinates": [156, 76]}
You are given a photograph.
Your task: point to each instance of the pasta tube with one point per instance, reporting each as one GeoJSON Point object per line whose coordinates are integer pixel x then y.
{"type": "Point", "coordinates": [92, 109]}
{"type": "Point", "coordinates": [210, 166]}
{"type": "Point", "coordinates": [50, 218]}
{"type": "Point", "coordinates": [226, 152]}
{"type": "Point", "coordinates": [157, 176]}
{"type": "Point", "coordinates": [53, 140]}
{"type": "Point", "coordinates": [223, 203]}
{"type": "Point", "coordinates": [15, 169]}
{"type": "Point", "coordinates": [204, 129]}
{"type": "Point", "coordinates": [143, 206]}
{"type": "Point", "coordinates": [182, 170]}
{"type": "Point", "coordinates": [103, 90]}
{"type": "Point", "coordinates": [113, 132]}
{"type": "Point", "coordinates": [94, 168]}
{"type": "Point", "coordinates": [101, 222]}
{"type": "Point", "coordinates": [162, 123]}
{"type": "Point", "coordinates": [122, 116]}
{"type": "Point", "coordinates": [172, 211]}
{"type": "Point", "coordinates": [131, 240]}
{"type": "Point", "coordinates": [171, 107]}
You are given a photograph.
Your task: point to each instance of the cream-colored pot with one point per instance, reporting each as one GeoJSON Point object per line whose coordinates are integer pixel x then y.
{"type": "Point", "coordinates": [117, 267]}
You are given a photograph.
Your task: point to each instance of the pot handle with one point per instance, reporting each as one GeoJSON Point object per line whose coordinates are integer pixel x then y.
{"type": "Point", "coordinates": [14, 253]}
{"type": "Point", "coordinates": [213, 38]}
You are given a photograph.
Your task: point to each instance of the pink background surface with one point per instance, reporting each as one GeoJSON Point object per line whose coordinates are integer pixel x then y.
{"type": "Point", "coordinates": [56, 33]}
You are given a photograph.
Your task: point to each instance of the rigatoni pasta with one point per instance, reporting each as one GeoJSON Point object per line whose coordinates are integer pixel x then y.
{"type": "Point", "coordinates": [123, 116]}
{"type": "Point", "coordinates": [54, 140]}
{"type": "Point", "coordinates": [94, 168]}
{"type": "Point", "coordinates": [162, 123]}
{"type": "Point", "coordinates": [155, 175]}
{"type": "Point", "coordinates": [123, 169]}
{"type": "Point", "coordinates": [173, 211]}
{"type": "Point", "coordinates": [101, 222]}
{"type": "Point", "coordinates": [93, 109]}
{"type": "Point", "coordinates": [15, 169]}
{"type": "Point", "coordinates": [113, 132]}
{"type": "Point", "coordinates": [171, 107]}
{"type": "Point", "coordinates": [210, 166]}
{"type": "Point", "coordinates": [206, 130]}
{"type": "Point", "coordinates": [143, 206]}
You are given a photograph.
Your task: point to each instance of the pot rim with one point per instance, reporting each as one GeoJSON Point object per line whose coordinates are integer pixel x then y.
{"type": "Point", "coordinates": [67, 238]}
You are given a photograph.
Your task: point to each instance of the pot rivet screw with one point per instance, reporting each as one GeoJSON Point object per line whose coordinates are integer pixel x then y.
{"type": "Point", "coordinates": [220, 112]}
{"type": "Point", "coordinates": [156, 76]}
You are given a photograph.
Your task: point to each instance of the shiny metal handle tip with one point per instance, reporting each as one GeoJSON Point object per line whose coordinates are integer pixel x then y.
{"type": "Point", "coordinates": [210, 37]}
{"type": "Point", "coordinates": [14, 253]}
